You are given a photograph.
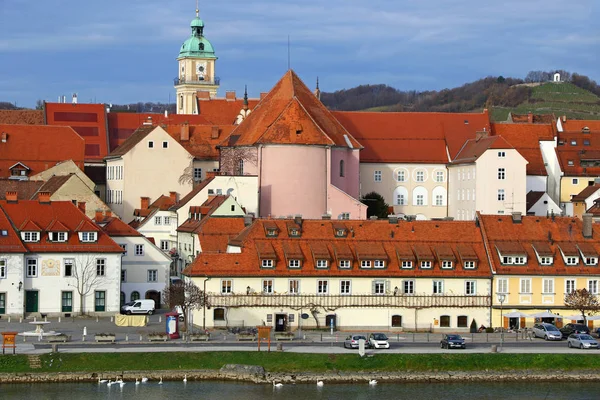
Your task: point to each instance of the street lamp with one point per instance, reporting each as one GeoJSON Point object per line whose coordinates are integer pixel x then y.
{"type": "Point", "coordinates": [501, 298]}
{"type": "Point", "coordinates": [204, 305]}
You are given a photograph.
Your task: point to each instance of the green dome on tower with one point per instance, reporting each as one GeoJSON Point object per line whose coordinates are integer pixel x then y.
{"type": "Point", "coordinates": [197, 45]}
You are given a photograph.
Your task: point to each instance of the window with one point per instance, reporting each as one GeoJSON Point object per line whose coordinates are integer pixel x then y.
{"type": "Point", "coordinates": [150, 144]}
{"type": "Point", "coordinates": [152, 275]}
{"type": "Point", "coordinates": [462, 321]}
{"type": "Point", "coordinates": [420, 176]}
{"type": "Point", "coordinates": [2, 268]}
{"type": "Point", "coordinates": [501, 154]}
{"type": "Point", "coordinates": [525, 285]}
{"type": "Point", "coordinates": [322, 264]}
{"type": "Point", "coordinates": [469, 265]}
{"type": "Point", "coordinates": [591, 261]}
{"type": "Point", "coordinates": [396, 321]}
{"type": "Point", "coordinates": [400, 199]}
{"type": "Point", "coordinates": [438, 287]}
{"type": "Point", "coordinates": [569, 286]}
{"type": "Point", "coordinates": [31, 267]}
{"type": "Point", "coordinates": [345, 287]}
{"type": "Point", "coordinates": [267, 263]}
{"type": "Point", "coordinates": [470, 289]}
{"type": "Point", "coordinates": [341, 168]}
{"type": "Point", "coordinates": [66, 301]}
{"type": "Point", "coordinates": [31, 236]}
{"type": "Point", "coordinates": [164, 245]}
{"type": "Point", "coordinates": [226, 286]}
{"type": "Point", "coordinates": [241, 167]}
{"type": "Point", "coordinates": [100, 301]}
{"type": "Point", "coordinates": [593, 286]}
{"type": "Point", "coordinates": [165, 145]}
{"type": "Point", "coordinates": [425, 264]}
{"type": "Point", "coordinates": [344, 264]}
{"type": "Point", "coordinates": [420, 200]}
{"type": "Point", "coordinates": [546, 260]}
{"type": "Point", "coordinates": [501, 174]}
{"type": "Point", "coordinates": [571, 261]}
{"type": "Point", "coordinates": [322, 287]}
{"type": "Point", "coordinates": [500, 194]}
{"type": "Point", "coordinates": [100, 267]}
{"type": "Point", "coordinates": [58, 236]}
{"type": "Point", "coordinates": [573, 142]}
{"type": "Point", "coordinates": [294, 263]}
{"type": "Point", "coordinates": [548, 286]}
{"type": "Point", "coordinates": [379, 287]}
{"type": "Point", "coordinates": [377, 176]}
{"type": "Point", "coordinates": [294, 286]}
{"type": "Point", "coordinates": [267, 286]}
{"type": "Point", "coordinates": [379, 264]}
{"type": "Point", "coordinates": [219, 314]}
{"type": "Point", "coordinates": [570, 163]}
{"type": "Point", "coordinates": [197, 174]}
{"type": "Point", "coordinates": [69, 262]}
{"type": "Point", "coordinates": [445, 321]}
{"type": "Point", "coordinates": [123, 275]}
{"type": "Point", "coordinates": [575, 181]}
{"type": "Point", "coordinates": [502, 285]}
{"type": "Point", "coordinates": [401, 176]}
{"type": "Point", "coordinates": [439, 200]}
{"type": "Point", "coordinates": [586, 142]}
{"type": "Point", "coordinates": [365, 264]}
{"type": "Point", "coordinates": [124, 247]}
{"type": "Point", "coordinates": [408, 287]}
{"type": "Point", "coordinates": [407, 264]}
{"type": "Point", "coordinates": [87, 236]}
{"type": "Point", "coordinates": [167, 220]}
{"type": "Point", "coordinates": [446, 264]}
{"type": "Point", "coordinates": [157, 220]}
{"type": "Point", "coordinates": [135, 295]}
{"type": "Point", "coordinates": [139, 249]}
{"type": "Point", "coordinates": [439, 176]}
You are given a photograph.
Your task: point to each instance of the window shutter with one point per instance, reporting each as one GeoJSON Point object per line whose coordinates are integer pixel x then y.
{"type": "Point", "coordinates": [505, 323]}
{"type": "Point", "coordinates": [522, 323]}
{"type": "Point", "coordinates": [373, 287]}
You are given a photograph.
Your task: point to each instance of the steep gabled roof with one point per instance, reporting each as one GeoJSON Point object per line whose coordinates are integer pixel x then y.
{"type": "Point", "coordinates": [291, 114]}
{"type": "Point", "coordinates": [116, 227]}
{"type": "Point", "coordinates": [132, 141]}
{"type": "Point", "coordinates": [22, 117]}
{"type": "Point", "coordinates": [186, 199]}
{"type": "Point", "coordinates": [585, 193]}
{"type": "Point", "coordinates": [9, 242]}
{"type": "Point", "coordinates": [54, 183]}
{"type": "Point", "coordinates": [474, 148]}
{"type": "Point", "coordinates": [222, 111]}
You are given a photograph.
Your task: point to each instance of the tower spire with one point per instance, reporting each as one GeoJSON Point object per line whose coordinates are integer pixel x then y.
{"type": "Point", "coordinates": [317, 90]}
{"type": "Point", "coordinates": [197, 10]}
{"type": "Point", "coordinates": [246, 97]}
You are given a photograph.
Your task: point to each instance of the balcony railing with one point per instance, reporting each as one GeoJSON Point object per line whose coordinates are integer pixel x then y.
{"type": "Point", "coordinates": [183, 81]}
{"type": "Point", "coordinates": [338, 301]}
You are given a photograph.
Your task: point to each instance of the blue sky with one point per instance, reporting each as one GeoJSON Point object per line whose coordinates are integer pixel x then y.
{"type": "Point", "coordinates": [119, 51]}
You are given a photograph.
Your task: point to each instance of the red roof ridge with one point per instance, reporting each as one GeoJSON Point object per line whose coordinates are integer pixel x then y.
{"type": "Point", "coordinates": [87, 226]}
{"type": "Point", "coordinates": [29, 225]}
{"type": "Point", "coordinates": [56, 226]}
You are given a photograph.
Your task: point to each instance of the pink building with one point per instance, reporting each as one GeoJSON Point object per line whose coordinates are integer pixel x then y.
{"type": "Point", "coordinates": [306, 161]}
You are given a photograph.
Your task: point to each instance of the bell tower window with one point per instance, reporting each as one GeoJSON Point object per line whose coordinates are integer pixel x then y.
{"type": "Point", "coordinates": [201, 46]}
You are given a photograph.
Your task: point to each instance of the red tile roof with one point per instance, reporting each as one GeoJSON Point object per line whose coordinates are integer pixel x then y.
{"type": "Point", "coordinates": [39, 147]}
{"type": "Point", "coordinates": [202, 144]}
{"type": "Point", "coordinates": [223, 111]}
{"type": "Point", "coordinates": [10, 241]}
{"type": "Point", "coordinates": [26, 190]}
{"type": "Point", "coordinates": [585, 193]}
{"type": "Point", "coordinates": [291, 114]}
{"type": "Point", "coordinates": [418, 137]}
{"type": "Point", "coordinates": [564, 233]}
{"type": "Point", "coordinates": [474, 148]}
{"type": "Point", "coordinates": [366, 239]}
{"type": "Point", "coordinates": [535, 118]}
{"type": "Point", "coordinates": [22, 117]}
{"type": "Point", "coordinates": [115, 227]}
{"type": "Point", "coordinates": [29, 214]}
{"type": "Point", "coordinates": [575, 125]}
{"type": "Point", "coordinates": [88, 120]}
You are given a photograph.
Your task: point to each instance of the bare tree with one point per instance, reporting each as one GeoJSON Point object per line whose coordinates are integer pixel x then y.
{"type": "Point", "coordinates": [583, 301]}
{"type": "Point", "coordinates": [185, 294]}
{"type": "Point", "coordinates": [88, 275]}
{"type": "Point", "coordinates": [233, 159]}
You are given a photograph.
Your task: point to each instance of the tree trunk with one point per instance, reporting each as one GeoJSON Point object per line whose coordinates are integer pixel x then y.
{"type": "Point", "coordinates": [81, 305]}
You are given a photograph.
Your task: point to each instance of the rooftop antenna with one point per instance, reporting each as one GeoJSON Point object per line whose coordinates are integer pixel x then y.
{"type": "Point", "coordinates": [289, 62]}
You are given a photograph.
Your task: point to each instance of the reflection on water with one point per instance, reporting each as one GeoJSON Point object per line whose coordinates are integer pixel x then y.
{"type": "Point", "coordinates": [247, 391]}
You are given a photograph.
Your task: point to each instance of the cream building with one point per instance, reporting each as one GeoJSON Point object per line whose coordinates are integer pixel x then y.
{"type": "Point", "coordinates": [488, 176]}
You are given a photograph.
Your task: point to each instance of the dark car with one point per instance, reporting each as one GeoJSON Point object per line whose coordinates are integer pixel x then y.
{"type": "Point", "coordinates": [452, 342]}
{"type": "Point", "coordinates": [569, 329]}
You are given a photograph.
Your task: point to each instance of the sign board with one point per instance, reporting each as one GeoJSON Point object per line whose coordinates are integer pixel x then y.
{"type": "Point", "coordinates": [304, 316]}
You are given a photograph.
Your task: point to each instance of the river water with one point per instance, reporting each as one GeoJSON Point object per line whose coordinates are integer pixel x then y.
{"type": "Point", "coordinates": [247, 391]}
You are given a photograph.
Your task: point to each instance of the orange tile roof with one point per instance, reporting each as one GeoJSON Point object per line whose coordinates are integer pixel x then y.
{"type": "Point", "coordinates": [22, 117]}
{"type": "Point", "coordinates": [39, 147]}
{"type": "Point", "coordinates": [9, 242]}
{"type": "Point", "coordinates": [115, 227]}
{"type": "Point", "coordinates": [585, 193]}
{"type": "Point", "coordinates": [220, 111]}
{"type": "Point", "coordinates": [291, 114]}
{"type": "Point", "coordinates": [201, 144]}
{"type": "Point", "coordinates": [26, 190]}
{"type": "Point", "coordinates": [88, 120]}
{"type": "Point", "coordinates": [194, 222]}
{"type": "Point", "coordinates": [564, 233]}
{"type": "Point", "coordinates": [474, 148]}
{"type": "Point", "coordinates": [420, 137]}
{"type": "Point", "coordinates": [30, 213]}
{"type": "Point", "coordinates": [366, 239]}
{"type": "Point", "coordinates": [576, 125]}
{"type": "Point", "coordinates": [535, 118]}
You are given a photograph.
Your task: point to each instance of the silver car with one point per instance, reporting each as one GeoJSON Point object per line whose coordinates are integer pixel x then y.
{"type": "Point", "coordinates": [378, 341]}
{"type": "Point", "coordinates": [582, 340]}
{"type": "Point", "coordinates": [546, 331]}
{"type": "Point", "coordinates": [352, 341]}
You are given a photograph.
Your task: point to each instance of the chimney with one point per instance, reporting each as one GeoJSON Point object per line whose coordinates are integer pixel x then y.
{"type": "Point", "coordinates": [326, 216]}
{"type": "Point", "coordinates": [214, 133]}
{"type": "Point", "coordinates": [263, 95]}
{"type": "Point", "coordinates": [145, 203]}
{"type": "Point", "coordinates": [74, 101]}
{"type": "Point", "coordinates": [564, 118]}
{"type": "Point", "coordinates": [148, 121]}
{"type": "Point", "coordinates": [173, 196]}
{"type": "Point", "coordinates": [230, 95]}
{"type": "Point", "coordinates": [99, 217]}
{"type": "Point", "coordinates": [587, 225]}
{"type": "Point", "coordinates": [393, 219]}
{"type": "Point", "coordinates": [516, 217]}
{"type": "Point", "coordinates": [185, 132]}
{"type": "Point", "coordinates": [12, 196]}
{"type": "Point", "coordinates": [481, 134]}
{"type": "Point", "coordinates": [80, 205]}
{"type": "Point", "coordinates": [248, 219]}
{"type": "Point", "coordinates": [530, 117]}
{"type": "Point", "coordinates": [203, 95]}
{"type": "Point", "coordinates": [4, 137]}
{"type": "Point", "coordinates": [298, 219]}
{"type": "Point", "coordinates": [108, 213]}
{"type": "Point", "coordinates": [44, 197]}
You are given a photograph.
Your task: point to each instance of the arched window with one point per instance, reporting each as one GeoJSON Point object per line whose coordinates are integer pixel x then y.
{"type": "Point", "coordinates": [135, 295]}
{"type": "Point", "coordinates": [342, 168]}
{"type": "Point", "coordinates": [219, 314]}
{"type": "Point", "coordinates": [400, 196]}
{"type": "Point", "coordinates": [201, 46]}
{"type": "Point", "coordinates": [439, 196]}
{"type": "Point", "coordinates": [420, 196]}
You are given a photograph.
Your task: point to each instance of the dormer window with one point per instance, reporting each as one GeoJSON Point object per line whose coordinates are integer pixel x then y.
{"type": "Point", "coordinates": [588, 253]}
{"type": "Point", "coordinates": [447, 264]}
{"type": "Point", "coordinates": [267, 263]}
{"type": "Point", "coordinates": [379, 264]}
{"type": "Point", "coordinates": [88, 236]}
{"type": "Point", "coordinates": [469, 265]}
{"type": "Point", "coordinates": [30, 236]}
{"type": "Point", "coordinates": [365, 264]}
{"type": "Point", "coordinates": [514, 260]}
{"type": "Point", "coordinates": [57, 236]}
{"type": "Point", "coordinates": [293, 263]}
{"type": "Point", "coordinates": [344, 264]}
{"type": "Point", "coordinates": [407, 264]}
{"type": "Point", "coordinates": [294, 232]}
{"type": "Point", "coordinates": [340, 230]}
{"type": "Point", "coordinates": [511, 253]}
{"type": "Point", "coordinates": [426, 264]}
{"type": "Point", "coordinates": [322, 263]}
{"type": "Point", "coordinates": [571, 260]}
{"type": "Point", "coordinates": [546, 260]}
{"type": "Point", "coordinates": [591, 261]}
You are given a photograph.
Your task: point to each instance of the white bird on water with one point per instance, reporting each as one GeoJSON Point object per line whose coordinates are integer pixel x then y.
{"type": "Point", "coordinates": [319, 383]}
{"type": "Point", "coordinates": [144, 379]}
{"type": "Point", "coordinates": [121, 383]}
{"type": "Point", "coordinates": [136, 381]}
{"type": "Point", "coordinates": [372, 382]}
{"type": "Point", "coordinates": [102, 381]}
{"type": "Point", "coordinates": [277, 385]}
{"type": "Point", "coordinates": [109, 383]}
{"type": "Point", "coordinates": [160, 382]}
{"type": "Point", "coordinates": [185, 378]}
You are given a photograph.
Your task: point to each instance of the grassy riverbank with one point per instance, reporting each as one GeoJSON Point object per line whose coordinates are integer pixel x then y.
{"type": "Point", "coordinates": [294, 362]}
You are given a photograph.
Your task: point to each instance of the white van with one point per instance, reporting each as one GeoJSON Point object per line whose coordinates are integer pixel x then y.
{"type": "Point", "coordinates": [145, 306]}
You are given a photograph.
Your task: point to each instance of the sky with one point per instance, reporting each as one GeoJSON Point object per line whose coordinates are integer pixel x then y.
{"type": "Point", "coordinates": [124, 51]}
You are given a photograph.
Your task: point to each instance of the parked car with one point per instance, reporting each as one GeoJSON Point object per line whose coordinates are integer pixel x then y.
{"type": "Point", "coordinates": [179, 311]}
{"type": "Point", "coordinates": [546, 331]}
{"type": "Point", "coordinates": [568, 329]}
{"type": "Point", "coordinates": [582, 340]}
{"type": "Point", "coordinates": [142, 306]}
{"type": "Point", "coordinates": [453, 342]}
{"type": "Point", "coordinates": [378, 341]}
{"type": "Point", "coordinates": [352, 341]}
